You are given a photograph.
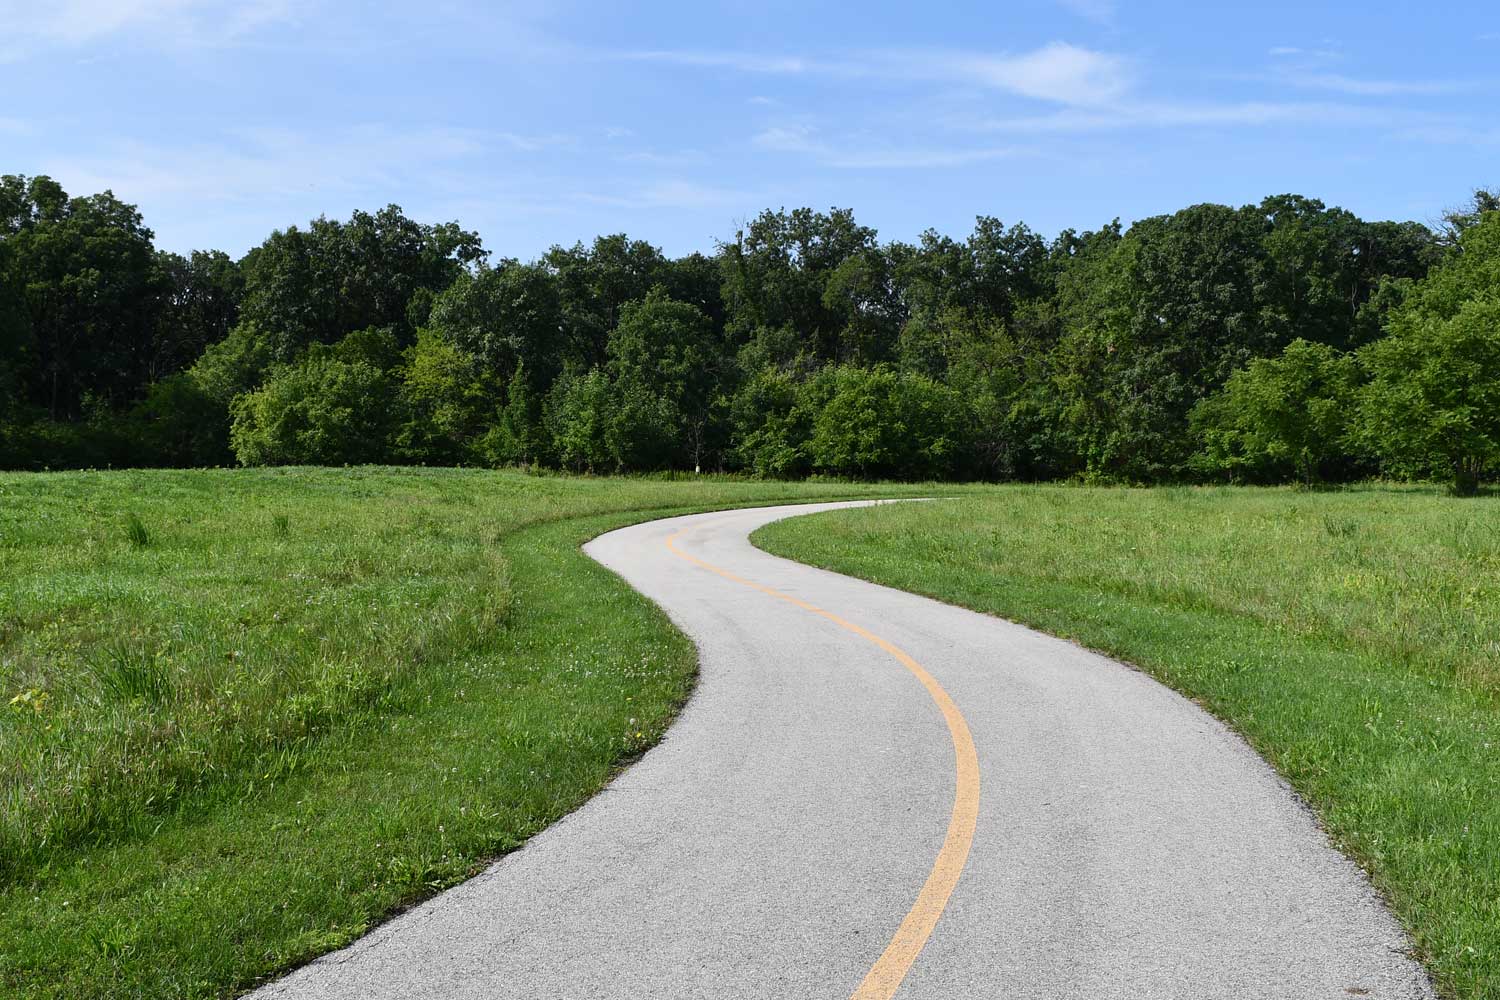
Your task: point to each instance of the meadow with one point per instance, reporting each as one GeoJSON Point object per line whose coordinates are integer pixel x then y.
{"type": "Point", "coordinates": [245, 715]}
{"type": "Point", "coordinates": [1352, 637]}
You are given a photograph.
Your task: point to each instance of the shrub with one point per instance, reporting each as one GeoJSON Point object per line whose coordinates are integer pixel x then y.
{"type": "Point", "coordinates": [319, 412]}
{"type": "Point", "coordinates": [1281, 417]}
{"type": "Point", "coordinates": [879, 423]}
{"type": "Point", "coordinates": [1432, 405]}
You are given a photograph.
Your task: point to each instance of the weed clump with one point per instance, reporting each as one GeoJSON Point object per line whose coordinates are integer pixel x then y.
{"type": "Point", "coordinates": [135, 532]}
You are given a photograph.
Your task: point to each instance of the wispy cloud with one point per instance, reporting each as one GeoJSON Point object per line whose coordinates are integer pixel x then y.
{"type": "Point", "coordinates": [653, 158]}
{"type": "Point", "coordinates": [1101, 11]}
{"type": "Point", "coordinates": [1152, 114]}
{"type": "Point", "coordinates": [1314, 69]}
{"type": "Point", "coordinates": [535, 143]}
{"type": "Point", "coordinates": [1298, 52]}
{"type": "Point", "coordinates": [1452, 134]}
{"type": "Point", "coordinates": [31, 25]}
{"type": "Point", "coordinates": [740, 62]}
{"type": "Point", "coordinates": [1375, 88]}
{"type": "Point", "coordinates": [1057, 72]}
{"type": "Point", "coordinates": [673, 193]}
{"type": "Point", "coordinates": [805, 140]}
{"type": "Point", "coordinates": [786, 139]}
{"type": "Point", "coordinates": [246, 165]}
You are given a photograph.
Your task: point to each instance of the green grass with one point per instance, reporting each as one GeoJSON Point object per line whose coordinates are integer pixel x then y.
{"type": "Point", "coordinates": [1352, 637]}
{"type": "Point", "coordinates": [251, 713]}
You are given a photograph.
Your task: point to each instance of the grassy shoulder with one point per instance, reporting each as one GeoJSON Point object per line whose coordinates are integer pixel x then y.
{"type": "Point", "coordinates": [1352, 637]}
{"type": "Point", "coordinates": [254, 712]}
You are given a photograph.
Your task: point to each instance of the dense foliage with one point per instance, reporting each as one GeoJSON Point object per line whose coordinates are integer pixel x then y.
{"type": "Point", "coordinates": [1271, 342]}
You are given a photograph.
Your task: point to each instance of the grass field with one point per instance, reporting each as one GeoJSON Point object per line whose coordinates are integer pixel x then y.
{"type": "Point", "coordinates": [250, 713]}
{"type": "Point", "coordinates": [1352, 637]}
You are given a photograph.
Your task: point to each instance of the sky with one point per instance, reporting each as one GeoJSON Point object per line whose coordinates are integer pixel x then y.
{"type": "Point", "coordinates": [553, 122]}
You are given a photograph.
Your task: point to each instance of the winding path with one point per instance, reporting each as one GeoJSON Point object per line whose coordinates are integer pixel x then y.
{"type": "Point", "coordinates": [873, 794]}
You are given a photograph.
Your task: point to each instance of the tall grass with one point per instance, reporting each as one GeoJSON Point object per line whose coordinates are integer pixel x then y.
{"type": "Point", "coordinates": [311, 696]}
{"type": "Point", "coordinates": [135, 532]}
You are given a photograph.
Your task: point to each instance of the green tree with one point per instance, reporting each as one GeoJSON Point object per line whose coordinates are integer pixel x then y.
{"type": "Point", "coordinates": [863, 289]}
{"type": "Point", "coordinates": [771, 424]}
{"type": "Point", "coordinates": [1282, 417]}
{"type": "Point", "coordinates": [198, 304]}
{"type": "Point", "coordinates": [1432, 405]}
{"type": "Point", "coordinates": [84, 297]}
{"type": "Point", "coordinates": [316, 285]}
{"type": "Point", "coordinates": [880, 423]}
{"type": "Point", "coordinates": [776, 272]}
{"type": "Point", "coordinates": [448, 398]}
{"type": "Point", "coordinates": [579, 412]}
{"type": "Point", "coordinates": [520, 436]}
{"type": "Point", "coordinates": [321, 411]}
{"type": "Point", "coordinates": [1002, 382]}
{"type": "Point", "coordinates": [234, 365]}
{"type": "Point", "coordinates": [669, 369]}
{"type": "Point", "coordinates": [179, 424]}
{"type": "Point", "coordinates": [594, 283]}
{"type": "Point", "coordinates": [506, 316]}
{"type": "Point", "coordinates": [641, 433]}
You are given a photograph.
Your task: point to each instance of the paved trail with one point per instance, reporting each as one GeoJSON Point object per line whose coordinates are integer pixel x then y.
{"type": "Point", "coordinates": [873, 794]}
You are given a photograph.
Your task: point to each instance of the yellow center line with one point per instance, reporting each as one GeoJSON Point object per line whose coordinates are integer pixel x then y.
{"type": "Point", "coordinates": [885, 976]}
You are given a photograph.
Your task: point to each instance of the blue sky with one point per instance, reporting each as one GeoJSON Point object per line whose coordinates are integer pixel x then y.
{"type": "Point", "coordinates": [557, 121]}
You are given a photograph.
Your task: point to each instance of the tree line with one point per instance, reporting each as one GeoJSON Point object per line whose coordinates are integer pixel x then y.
{"type": "Point", "coordinates": [1274, 342]}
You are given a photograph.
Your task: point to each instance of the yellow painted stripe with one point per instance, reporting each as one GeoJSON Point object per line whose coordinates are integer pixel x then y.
{"type": "Point", "coordinates": [885, 976]}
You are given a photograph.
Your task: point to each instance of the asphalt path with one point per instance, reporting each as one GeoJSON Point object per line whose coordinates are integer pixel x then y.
{"type": "Point", "coordinates": [873, 794]}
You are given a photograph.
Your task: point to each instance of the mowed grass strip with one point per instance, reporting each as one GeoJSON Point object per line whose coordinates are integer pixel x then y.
{"type": "Point", "coordinates": [1352, 637]}
{"type": "Point", "coordinates": [247, 714]}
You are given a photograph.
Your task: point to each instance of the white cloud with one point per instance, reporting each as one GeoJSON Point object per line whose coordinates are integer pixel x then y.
{"type": "Point", "coordinates": [1058, 72]}
{"type": "Point", "coordinates": [33, 25]}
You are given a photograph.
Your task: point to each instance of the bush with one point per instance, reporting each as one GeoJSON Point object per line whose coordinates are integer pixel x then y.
{"type": "Point", "coordinates": [878, 423]}
{"type": "Point", "coordinates": [1281, 418]}
{"type": "Point", "coordinates": [448, 398]}
{"type": "Point", "coordinates": [44, 444]}
{"type": "Point", "coordinates": [579, 411]}
{"type": "Point", "coordinates": [319, 412]}
{"type": "Point", "coordinates": [1433, 402]}
{"type": "Point", "coordinates": [771, 426]}
{"type": "Point", "coordinates": [179, 424]}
